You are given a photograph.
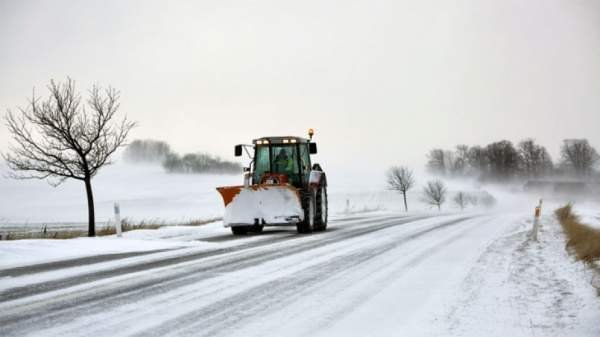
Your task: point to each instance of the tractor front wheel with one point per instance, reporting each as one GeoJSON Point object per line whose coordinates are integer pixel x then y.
{"type": "Point", "coordinates": [239, 230]}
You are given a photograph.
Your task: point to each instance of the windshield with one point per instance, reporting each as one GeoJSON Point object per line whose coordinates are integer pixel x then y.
{"type": "Point", "coordinates": [281, 159]}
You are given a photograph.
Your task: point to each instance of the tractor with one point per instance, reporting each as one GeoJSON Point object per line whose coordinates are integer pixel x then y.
{"type": "Point", "coordinates": [282, 187]}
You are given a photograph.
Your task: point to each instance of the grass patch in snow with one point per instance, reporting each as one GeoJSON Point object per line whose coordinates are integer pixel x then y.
{"type": "Point", "coordinates": [583, 241]}
{"type": "Point", "coordinates": [126, 226]}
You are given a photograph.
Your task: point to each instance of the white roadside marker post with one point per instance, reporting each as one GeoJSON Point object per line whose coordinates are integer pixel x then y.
{"type": "Point", "coordinates": [118, 220]}
{"type": "Point", "coordinates": [536, 223]}
{"type": "Point", "coordinates": [540, 207]}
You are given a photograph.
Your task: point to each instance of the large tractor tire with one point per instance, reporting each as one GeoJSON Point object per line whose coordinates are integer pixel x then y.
{"type": "Point", "coordinates": [321, 209]}
{"type": "Point", "coordinates": [239, 230]}
{"type": "Point", "coordinates": [257, 228]}
{"type": "Point", "coordinates": [308, 205]}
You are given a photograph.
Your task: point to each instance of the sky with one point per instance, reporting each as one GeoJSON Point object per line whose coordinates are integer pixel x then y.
{"type": "Point", "coordinates": [381, 82]}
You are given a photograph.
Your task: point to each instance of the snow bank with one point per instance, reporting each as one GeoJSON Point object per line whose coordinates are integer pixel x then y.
{"type": "Point", "coordinates": [589, 213]}
{"type": "Point", "coordinates": [519, 287]}
{"type": "Point", "coordinates": [26, 252]}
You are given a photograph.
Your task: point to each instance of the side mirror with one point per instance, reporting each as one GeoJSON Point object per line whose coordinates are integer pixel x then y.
{"type": "Point", "coordinates": [312, 148]}
{"type": "Point", "coordinates": [246, 169]}
{"type": "Point", "coordinates": [238, 150]}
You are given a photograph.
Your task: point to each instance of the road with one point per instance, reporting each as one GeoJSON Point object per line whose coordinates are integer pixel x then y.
{"type": "Point", "coordinates": [367, 275]}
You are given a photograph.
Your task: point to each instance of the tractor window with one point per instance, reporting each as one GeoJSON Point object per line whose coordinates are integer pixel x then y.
{"type": "Point", "coordinates": [304, 158]}
{"type": "Point", "coordinates": [285, 160]}
{"type": "Point", "coordinates": [262, 162]}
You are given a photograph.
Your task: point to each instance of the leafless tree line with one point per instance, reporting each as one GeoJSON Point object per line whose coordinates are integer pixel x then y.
{"type": "Point", "coordinates": [198, 163]}
{"type": "Point", "coordinates": [155, 151]}
{"type": "Point", "coordinates": [401, 179]}
{"type": "Point", "coordinates": [503, 160]}
{"type": "Point", "coordinates": [147, 151]}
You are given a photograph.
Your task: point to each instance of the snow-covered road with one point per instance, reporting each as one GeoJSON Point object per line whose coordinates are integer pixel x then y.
{"type": "Point", "coordinates": [372, 275]}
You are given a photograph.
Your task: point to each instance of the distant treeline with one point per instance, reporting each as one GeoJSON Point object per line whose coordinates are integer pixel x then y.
{"type": "Point", "coordinates": [147, 151]}
{"type": "Point", "coordinates": [199, 163]}
{"type": "Point", "coordinates": [502, 160]}
{"type": "Point", "coordinates": [159, 152]}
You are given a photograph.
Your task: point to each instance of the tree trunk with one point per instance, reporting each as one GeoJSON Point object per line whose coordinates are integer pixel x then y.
{"type": "Point", "coordinates": [405, 204]}
{"type": "Point", "coordinates": [90, 200]}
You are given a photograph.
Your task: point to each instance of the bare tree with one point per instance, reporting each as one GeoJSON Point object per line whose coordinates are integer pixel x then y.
{"type": "Point", "coordinates": [478, 159]}
{"type": "Point", "coordinates": [436, 161]}
{"type": "Point", "coordinates": [59, 139]}
{"type": "Point", "coordinates": [400, 178]}
{"type": "Point", "coordinates": [449, 162]}
{"type": "Point", "coordinates": [472, 199]}
{"type": "Point", "coordinates": [461, 199]}
{"type": "Point", "coordinates": [486, 199]}
{"type": "Point", "coordinates": [435, 193]}
{"type": "Point", "coordinates": [461, 160]}
{"type": "Point", "coordinates": [504, 159]}
{"type": "Point", "coordinates": [535, 159]}
{"type": "Point", "coordinates": [579, 155]}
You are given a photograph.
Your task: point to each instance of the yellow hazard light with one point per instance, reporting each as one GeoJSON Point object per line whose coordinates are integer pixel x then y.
{"type": "Point", "coordinates": [311, 133]}
{"type": "Point", "coordinates": [285, 141]}
{"type": "Point", "coordinates": [292, 140]}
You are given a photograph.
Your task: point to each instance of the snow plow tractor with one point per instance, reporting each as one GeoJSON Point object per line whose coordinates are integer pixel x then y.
{"type": "Point", "coordinates": [282, 187]}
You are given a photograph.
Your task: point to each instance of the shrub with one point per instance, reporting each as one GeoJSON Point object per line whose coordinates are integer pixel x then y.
{"type": "Point", "coordinates": [487, 200]}
{"type": "Point", "coordinates": [199, 163]}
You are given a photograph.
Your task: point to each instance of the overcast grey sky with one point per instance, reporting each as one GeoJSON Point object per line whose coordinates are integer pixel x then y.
{"type": "Point", "coordinates": [380, 81]}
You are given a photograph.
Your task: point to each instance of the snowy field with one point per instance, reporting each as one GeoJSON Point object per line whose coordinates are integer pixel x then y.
{"type": "Point", "coordinates": [143, 192]}
{"type": "Point", "coordinates": [147, 193]}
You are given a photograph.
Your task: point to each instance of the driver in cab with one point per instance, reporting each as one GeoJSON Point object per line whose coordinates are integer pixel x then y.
{"type": "Point", "coordinates": [283, 162]}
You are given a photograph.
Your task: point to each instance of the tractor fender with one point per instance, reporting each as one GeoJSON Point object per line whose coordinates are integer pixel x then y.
{"type": "Point", "coordinates": [317, 177]}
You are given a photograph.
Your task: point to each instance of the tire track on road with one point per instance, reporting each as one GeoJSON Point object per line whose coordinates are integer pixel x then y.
{"type": "Point", "coordinates": [55, 309]}
{"type": "Point", "coordinates": [49, 266]}
{"type": "Point", "coordinates": [216, 318]}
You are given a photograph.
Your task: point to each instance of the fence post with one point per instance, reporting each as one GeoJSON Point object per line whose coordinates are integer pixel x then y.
{"type": "Point", "coordinates": [118, 220]}
{"type": "Point", "coordinates": [536, 223]}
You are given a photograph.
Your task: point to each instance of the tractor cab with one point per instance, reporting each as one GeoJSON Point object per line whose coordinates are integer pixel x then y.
{"type": "Point", "coordinates": [282, 160]}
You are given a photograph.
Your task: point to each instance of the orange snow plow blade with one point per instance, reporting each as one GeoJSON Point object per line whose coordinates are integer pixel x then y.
{"type": "Point", "coordinates": [267, 204]}
{"type": "Point", "coordinates": [229, 192]}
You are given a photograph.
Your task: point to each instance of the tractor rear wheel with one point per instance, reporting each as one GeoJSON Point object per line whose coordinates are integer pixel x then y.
{"type": "Point", "coordinates": [308, 205]}
{"type": "Point", "coordinates": [239, 230]}
{"type": "Point", "coordinates": [321, 213]}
